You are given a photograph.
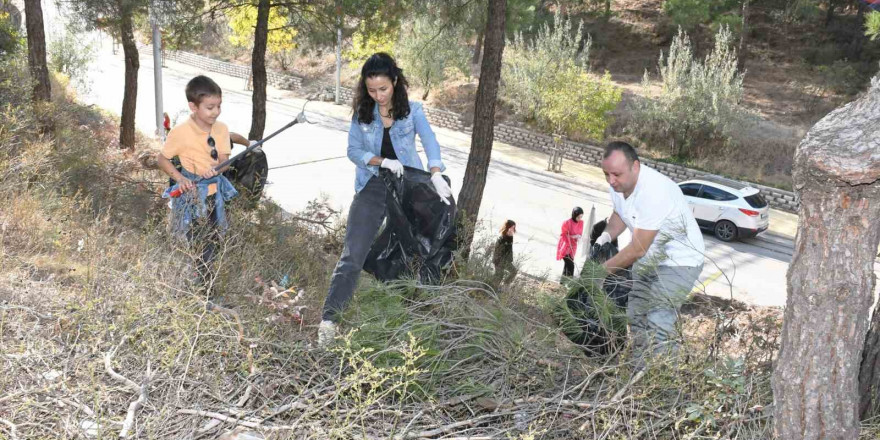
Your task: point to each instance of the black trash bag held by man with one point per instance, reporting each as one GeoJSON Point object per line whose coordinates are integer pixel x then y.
{"type": "Point", "coordinates": [418, 238]}
{"type": "Point", "coordinates": [597, 335]}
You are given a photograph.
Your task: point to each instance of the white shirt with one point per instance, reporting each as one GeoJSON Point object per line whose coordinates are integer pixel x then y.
{"type": "Point", "coordinates": [657, 204]}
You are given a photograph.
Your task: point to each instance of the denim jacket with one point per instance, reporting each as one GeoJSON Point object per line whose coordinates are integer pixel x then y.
{"type": "Point", "coordinates": [365, 142]}
{"type": "Point", "coordinates": [188, 207]}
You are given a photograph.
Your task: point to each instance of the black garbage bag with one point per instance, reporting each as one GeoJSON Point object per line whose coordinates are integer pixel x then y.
{"type": "Point", "coordinates": [599, 315]}
{"type": "Point", "coordinates": [418, 238]}
{"type": "Point", "coordinates": [248, 173]}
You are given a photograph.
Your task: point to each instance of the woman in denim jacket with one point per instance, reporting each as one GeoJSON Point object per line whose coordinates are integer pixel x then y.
{"type": "Point", "coordinates": [382, 135]}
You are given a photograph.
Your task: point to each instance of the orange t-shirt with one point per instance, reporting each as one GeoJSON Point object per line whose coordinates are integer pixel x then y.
{"type": "Point", "coordinates": [188, 142]}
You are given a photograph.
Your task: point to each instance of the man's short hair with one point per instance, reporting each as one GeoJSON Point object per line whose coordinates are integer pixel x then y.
{"type": "Point", "coordinates": [200, 87]}
{"type": "Point", "coordinates": [623, 147]}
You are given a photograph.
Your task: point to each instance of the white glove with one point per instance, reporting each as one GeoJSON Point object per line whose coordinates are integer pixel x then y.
{"type": "Point", "coordinates": [442, 187]}
{"type": "Point", "coordinates": [258, 149]}
{"type": "Point", "coordinates": [604, 238]}
{"type": "Point", "coordinates": [394, 166]}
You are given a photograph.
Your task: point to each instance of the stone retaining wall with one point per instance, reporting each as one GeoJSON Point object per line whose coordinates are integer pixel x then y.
{"type": "Point", "coordinates": [275, 79]}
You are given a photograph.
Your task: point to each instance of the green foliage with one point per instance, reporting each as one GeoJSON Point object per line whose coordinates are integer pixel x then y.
{"type": "Point", "coordinates": [730, 21]}
{"type": "Point", "coordinates": [727, 386]}
{"type": "Point", "coordinates": [547, 80]}
{"type": "Point", "coordinates": [699, 101]}
{"type": "Point", "coordinates": [688, 14]}
{"type": "Point", "coordinates": [70, 55]}
{"type": "Point", "coordinates": [872, 25]}
{"type": "Point", "coordinates": [427, 51]}
{"type": "Point", "coordinates": [578, 102]}
{"type": "Point", "coordinates": [370, 38]}
{"type": "Point", "coordinates": [604, 310]}
{"type": "Point", "coordinates": [10, 40]}
{"type": "Point", "coordinates": [841, 77]}
{"type": "Point", "coordinates": [243, 21]}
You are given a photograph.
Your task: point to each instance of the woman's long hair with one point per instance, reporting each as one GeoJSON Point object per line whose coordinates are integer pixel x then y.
{"type": "Point", "coordinates": [576, 212]}
{"type": "Point", "coordinates": [380, 64]}
{"type": "Point", "coordinates": [507, 225]}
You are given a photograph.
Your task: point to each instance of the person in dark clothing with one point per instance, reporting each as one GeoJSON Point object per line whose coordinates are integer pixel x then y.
{"type": "Point", "coordinates": [382, 135]}
{"type": "Point", "coordinates": [502, 256]}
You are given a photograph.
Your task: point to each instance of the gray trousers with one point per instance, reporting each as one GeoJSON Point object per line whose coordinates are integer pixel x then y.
{"type": "Point", "coordinates": [653, 309]}
{"type": "Point", "coordinates": [365, 216]}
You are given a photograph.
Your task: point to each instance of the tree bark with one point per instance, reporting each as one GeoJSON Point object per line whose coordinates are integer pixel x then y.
{"type": "Point", "coordinates": [471, 195]}
{"type": "Point", "coordinates": [831, 276]}
{"type": "Point", "coordinates": [132, 64]}
{"type": "Point", "coordinates": [258, 69]}
{"type": "Point", "coordinates": [478, 49]}
{"type": "Point", "coordinates": [36, 39]}
{"type": "Point", "coordinates": [829, 14]}
{"type": "Point", "coordinates": [858, 33]}
{"type": "Point", "coordinates": [743, 36]}
{"type": "Point", "coordinates": [869, 372]}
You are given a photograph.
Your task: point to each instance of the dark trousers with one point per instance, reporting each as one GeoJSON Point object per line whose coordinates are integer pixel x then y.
{"type": "Point", "coordinates": [504, 273]}
{"type": "Point", "coordinates": [364, 219]}
{"type": "Point", "coordinates": [203, 237]}
{"type": "Point", "coordinates": [568, 270]}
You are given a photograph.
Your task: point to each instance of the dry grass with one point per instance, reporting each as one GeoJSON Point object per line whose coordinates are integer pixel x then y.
{"type": "Point", "coordinates": [101, 332]}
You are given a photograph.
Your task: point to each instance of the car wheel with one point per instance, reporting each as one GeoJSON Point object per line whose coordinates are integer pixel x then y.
{"type": "Point", "coordinates": [725, 230]}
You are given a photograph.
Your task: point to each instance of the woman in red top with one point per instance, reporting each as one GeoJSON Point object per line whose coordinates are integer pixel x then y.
{"type": "Point", "coordinates": [568, 240]}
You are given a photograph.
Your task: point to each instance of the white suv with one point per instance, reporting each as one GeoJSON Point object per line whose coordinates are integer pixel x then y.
{"type": "Point", "coordinates": [726, 207]}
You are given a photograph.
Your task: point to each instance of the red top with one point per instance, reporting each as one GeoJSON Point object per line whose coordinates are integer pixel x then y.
{"type": "Point", "coordinates": [568, 245]}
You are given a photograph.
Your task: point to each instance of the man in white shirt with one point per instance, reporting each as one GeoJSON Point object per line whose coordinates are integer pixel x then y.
{"type": "Point", "coordinates": [666, 249]}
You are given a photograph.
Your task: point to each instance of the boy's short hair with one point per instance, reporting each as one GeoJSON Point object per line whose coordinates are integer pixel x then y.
{"type": "Point", "coordinates": [200, 87]}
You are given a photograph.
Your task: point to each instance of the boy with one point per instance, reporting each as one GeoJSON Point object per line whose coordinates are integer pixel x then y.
{"type": "Point", "coordinates": [200, 143]}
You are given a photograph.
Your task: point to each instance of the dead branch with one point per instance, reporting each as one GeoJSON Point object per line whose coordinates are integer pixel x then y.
{"type": "Point", "coordinates": [13, 430]}
{"type": "Point", "coordinates": [130, 384]}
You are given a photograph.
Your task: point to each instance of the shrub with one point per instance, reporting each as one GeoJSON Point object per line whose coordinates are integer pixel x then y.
{"type": "Point", "coordinates": [547, 80]}
{"type": "Point", "coordinates": [687, 14]}
{"type": "Point", "coordinates": [427, 50]}
{"type": "Point", "coordinates": [577, 102]}
{"type": "Point", "coordinates": [369, 38]}
{"type": "Point", "coordinates": [699, 102]}
{"type": "Point", "coordinates": [9, 38]}
{"type": "Point", "coordinates": [70, 55]}
{"type": "Point", "coordinates": [841, 77]}
{"type": "Point", "coordinates": [872, 25]}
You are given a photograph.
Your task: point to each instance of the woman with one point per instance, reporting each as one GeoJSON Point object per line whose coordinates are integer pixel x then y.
{"type": "Point", "coordinates": [568, 239]}
{"type": "Point", "coordinates": [382, 135]}
{"type": "Point", "coordinates": [502, 256]}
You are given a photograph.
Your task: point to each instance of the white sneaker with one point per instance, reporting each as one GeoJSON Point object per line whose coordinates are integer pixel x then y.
{"type": "Point", "coordinates": [326, 333]}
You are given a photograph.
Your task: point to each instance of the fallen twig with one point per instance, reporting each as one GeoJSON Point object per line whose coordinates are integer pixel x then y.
{"type": "Point", "coordinates": [13, 430]}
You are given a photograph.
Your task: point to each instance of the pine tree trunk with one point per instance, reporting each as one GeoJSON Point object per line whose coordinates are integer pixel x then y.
{"type": "Point", "coordinates": [858, 41]}
{"type": "Point", "coordinates": [132, 64]}
{"type": "Point", "coordinates": [829, 14]}
{"type": "Point", "coordinates": [258, 67]}
{"type": "Point", "coordinates": [869, 372]}
{"type": "Point", "coordinates": [471, 195]}
{"type": "Point", "coordinates": [36, 40]}
{"type": "Point", "coordinates": [742, 52]}
{"type": "Point", "coordinates": [831, 276]}
{"type": "Point", "coordinates": [478, 49]}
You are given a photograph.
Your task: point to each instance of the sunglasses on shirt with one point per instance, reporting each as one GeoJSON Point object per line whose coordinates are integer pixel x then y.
{"type": "Point", "coordinates": [213, 146]}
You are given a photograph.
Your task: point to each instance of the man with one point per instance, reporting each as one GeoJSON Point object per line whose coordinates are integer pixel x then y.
{"type": "Point", "coordinates": [666, 249]}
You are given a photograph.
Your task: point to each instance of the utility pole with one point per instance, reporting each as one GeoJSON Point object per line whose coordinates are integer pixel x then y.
{"type": "Point", "coordinates": [157, 72]}
{"type": "Point", "coordinates": [338, 53]}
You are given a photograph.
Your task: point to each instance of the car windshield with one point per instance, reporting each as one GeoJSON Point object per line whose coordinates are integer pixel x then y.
{"type": "Point", "coordinates": [756, 200]}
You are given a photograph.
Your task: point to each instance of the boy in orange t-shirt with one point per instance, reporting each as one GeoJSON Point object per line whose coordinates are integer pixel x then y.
{"type": "Point", "coordinates": [200, 143]}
